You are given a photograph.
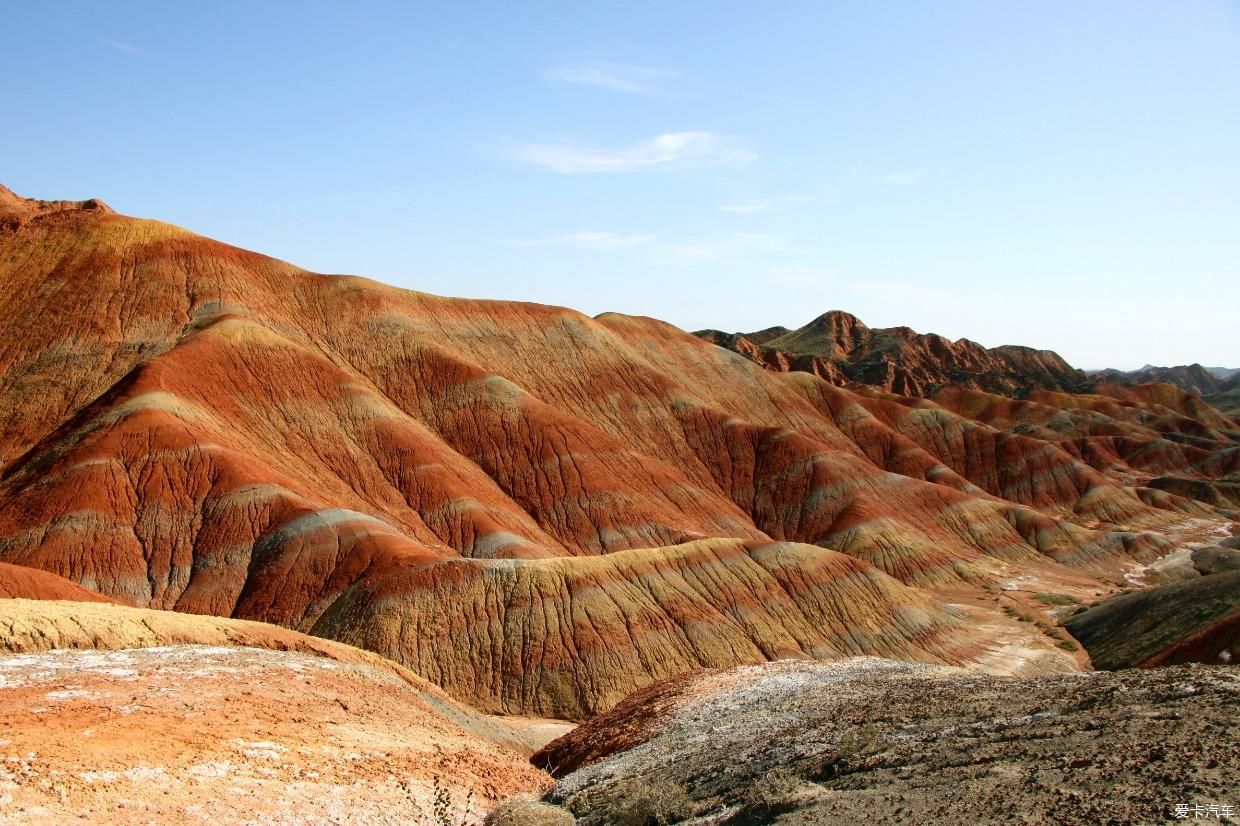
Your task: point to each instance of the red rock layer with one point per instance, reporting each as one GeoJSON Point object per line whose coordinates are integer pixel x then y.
{"type": "Point", "coordinates": [1131, 433]}
{"type": "Point", "coordinates": [186, 425]}
{"type": "Point", "coordinates": [17, 582]}
{"type": "Point", "coordinates": [839, 347]}
{"type": "Point", "coordinates": [570, 637]}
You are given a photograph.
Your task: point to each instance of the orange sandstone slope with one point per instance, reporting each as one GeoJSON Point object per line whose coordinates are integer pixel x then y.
{"type": "Point", "coordinates": [20, 582]}
{"type": "Point", "coordinates": [1152, 435]}
{"type": "Point", "coordinates": [263, 723]}
{"type": "Point", "coordinates": [537, 510]}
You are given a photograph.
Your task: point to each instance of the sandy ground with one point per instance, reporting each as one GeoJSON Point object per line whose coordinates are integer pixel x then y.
{"type": "Point", "coordinates": [534, 732]}
{"type": "Point", "coordinates": [209, 734]}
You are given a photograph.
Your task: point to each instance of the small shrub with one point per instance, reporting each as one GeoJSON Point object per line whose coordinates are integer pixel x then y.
{"type": "Point", "coordinates": [445, 809]}
{"type": "Point", "coordinates": [652, 802]}
{"type": "Point", "coordinates": [861, 741]}
{"type": "Point", "coordinates": [855, 746]}
{"type": "Point", "coordinates": [524, 811]}
{"type": "Point", "coordinates": [1056, 599]}
{"type": "Point", "coordinates": [777, 792]}
{"type": "Point", "coordinates": [1067, 645]}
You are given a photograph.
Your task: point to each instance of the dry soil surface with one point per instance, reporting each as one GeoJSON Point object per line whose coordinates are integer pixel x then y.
{"type": "Point", "coordinates": [870, 740]}
{"type": "Point", "coordinates": [298, 731]}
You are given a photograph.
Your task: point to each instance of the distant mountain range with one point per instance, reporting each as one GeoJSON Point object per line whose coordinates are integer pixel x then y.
{"type": "Point", "coordinates": [1220, 386]}
{"type": "Point", "coordinates": [840, 348]}
{"type": "Point", "coordinates": [837, 346]}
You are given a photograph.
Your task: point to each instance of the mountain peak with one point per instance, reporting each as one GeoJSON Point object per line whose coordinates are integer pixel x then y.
{"type": "Point", "coordinates": [16, 210]}
{"type": "Point", "coordinates": [839, 346]}
{"type": "Point", "coordinates": [837, 319]}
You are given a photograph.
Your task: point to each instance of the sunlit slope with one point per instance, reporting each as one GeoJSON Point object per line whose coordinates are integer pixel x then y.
{"type": "Point", "coordinates": [186, 425]}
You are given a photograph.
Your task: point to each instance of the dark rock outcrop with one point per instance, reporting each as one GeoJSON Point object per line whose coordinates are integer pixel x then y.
{"type": "Point", "coordinates": [1197, 620]}
{"type": "Point", "coordinates": [870, 740]}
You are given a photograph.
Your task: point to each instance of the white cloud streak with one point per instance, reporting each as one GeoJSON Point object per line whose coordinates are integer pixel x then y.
{"type": "Point", "coordinates": [120, 46]}
{"type": "Point", "coordinates": [629, 80]}
{"type": "Point", "coordinates": [751, 206]}
{"type": "Point", "coordinates": [712, 249]}
{"type": "Point", "coordinates": [671, 150]}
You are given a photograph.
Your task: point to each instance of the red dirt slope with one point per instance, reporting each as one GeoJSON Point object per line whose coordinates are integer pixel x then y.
{"type": "Point", "coordinates": [469, 487]}
{"type": "Point", "coordinates": [17, 582]}
{"type": "Point", "coordinates": [258, 722]}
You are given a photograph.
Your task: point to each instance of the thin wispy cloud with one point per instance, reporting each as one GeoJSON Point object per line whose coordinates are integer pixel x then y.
{"type": "Point", "coordinates": [672, 150]}
{"type": "Point", "coordinates": [590, 241]}
{"type": "Point", "coordinates": [712, 249]}
{"type": "Point", "coordinates": [120, 46]}
{"type": "Point", "coordinates": [902, 178]}
{"type": "Point", "coordinates": [747, 207]}
{"type": "Point", "coordinates": [629, 80]}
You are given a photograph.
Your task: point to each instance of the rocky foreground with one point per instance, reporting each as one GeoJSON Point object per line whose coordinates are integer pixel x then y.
{"type": "Point", "coordinates": [125, 716]}
{"type": "Point", "coordinates": [868, 740]}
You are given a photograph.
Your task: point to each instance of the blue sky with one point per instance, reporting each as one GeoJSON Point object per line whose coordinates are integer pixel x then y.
{"type": "Point", "coordinates": [1054, 173]}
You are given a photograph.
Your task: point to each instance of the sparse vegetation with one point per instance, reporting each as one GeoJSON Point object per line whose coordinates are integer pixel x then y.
{"type": "Point", "coordinates": [853, 748]}
{"type": "Point", "coordinates": [653, 802]}
{"type": "Point", "coordinates": [443, 808]}
{"type": "Point", "coordinates": [777, 792]}
{"type": "Point", "coordinates": [1016, 614]}
{"type": "Point", "coordinates": [1067, 645]}
{"type": "Point", "coordinates": [526, 811]}
{"type": "Point", "coordinates": [1056, 599]}
{"type": "Point", "coordinates": [863, 740]}
{"type": "Point", "coordinates": [1063, 636]}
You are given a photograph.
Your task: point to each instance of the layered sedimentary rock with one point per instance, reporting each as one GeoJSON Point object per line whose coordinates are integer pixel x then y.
{"type": "Point", "coordinates": [840, 347]}
{"type": "Point", "coordinates": [15, 210]}
{"type": "Point", "coordinates": [1156, 416]}
{"type": "Point", "coordinates": [19, 582]}
{"type": "Point", "coordinates": [529, 634]}
{"type": "Point", "coordinates": [1227, 397]}
{"type": "Point", "coordinates": [1196, 620]}
{"type": "Point", "coordinates": [1166, 441]}
{"type": "Point", "coordinates": [537, 510]}
{"type": "Point", "coordinates": [258, 722]}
